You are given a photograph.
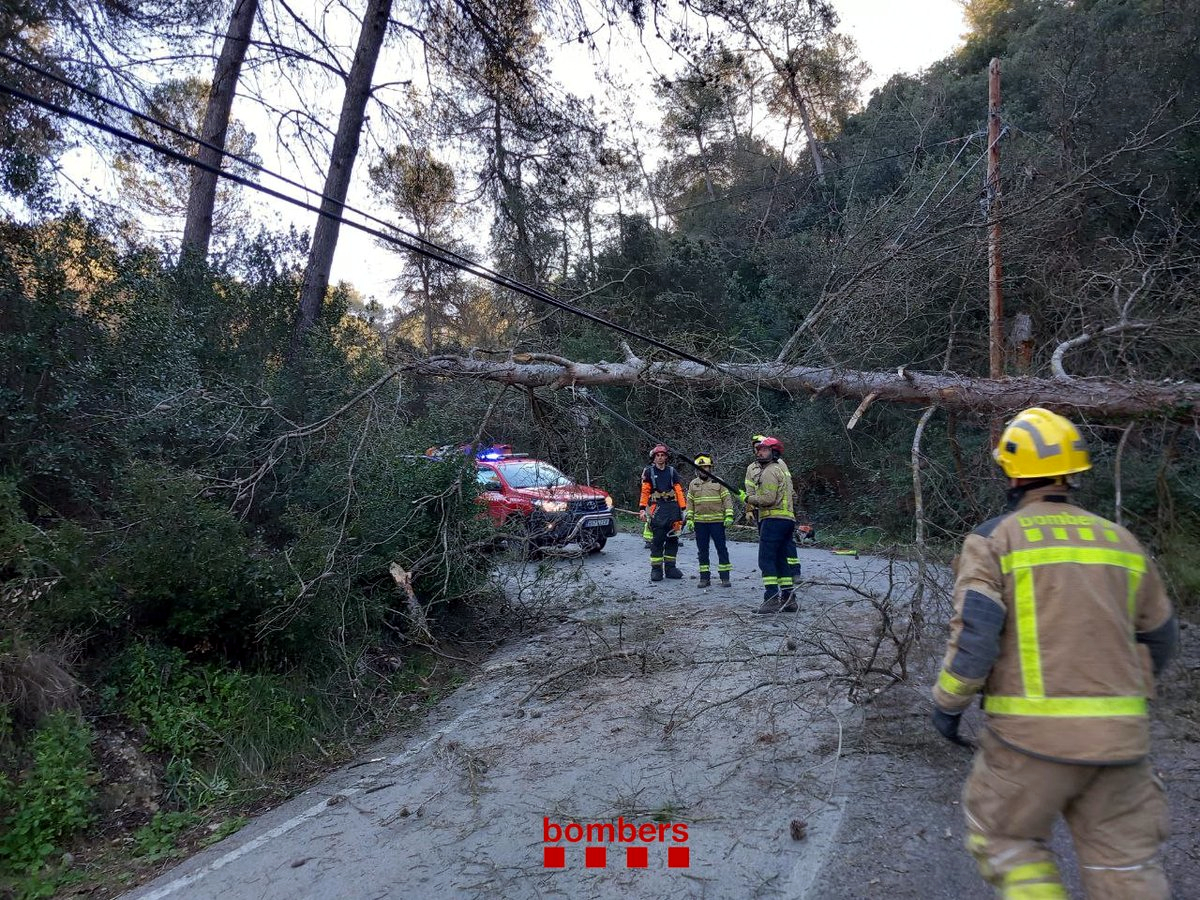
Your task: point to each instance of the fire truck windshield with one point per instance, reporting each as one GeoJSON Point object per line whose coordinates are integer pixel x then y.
{"type": "Point", "coordinates": [528, 473]}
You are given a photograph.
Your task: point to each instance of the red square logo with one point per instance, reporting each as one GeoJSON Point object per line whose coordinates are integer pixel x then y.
{"type": "Point", "coordinates": [678, 858]}
{"type": "Point", "coordinates": [554, 858]}
{"type": "Point", "coordinates": [637, 858]}
{"type": "Point", "coordinates": [595, 857]}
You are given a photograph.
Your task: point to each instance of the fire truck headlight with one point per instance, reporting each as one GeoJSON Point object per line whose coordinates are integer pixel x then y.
{"type": "Point", "coordinates": [552, 506]}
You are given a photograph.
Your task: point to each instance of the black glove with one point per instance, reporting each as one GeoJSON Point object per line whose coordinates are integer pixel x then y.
{"type": "Point", "coordinates": [947, 725]}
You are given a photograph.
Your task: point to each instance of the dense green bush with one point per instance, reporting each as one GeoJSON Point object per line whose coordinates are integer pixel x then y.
{"type": "Point", "coordinates": [45, 798]}
{"type": "Point", "coordinates": [210, 724]}
{"type": "Point", "coordinates": [182, 568]}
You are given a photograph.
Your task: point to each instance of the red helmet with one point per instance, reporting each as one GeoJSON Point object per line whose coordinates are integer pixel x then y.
{"type": "Point", "coordinates": [773, 443]}
{"type": "Point", "coordinates": [660, 448]}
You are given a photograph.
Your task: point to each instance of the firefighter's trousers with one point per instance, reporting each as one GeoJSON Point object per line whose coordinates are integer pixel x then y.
{"type": "Point", "coordinates": [714, 531]}
{"type": "Point", "coordinates": [1117, 816]}
{"type": "Point", "coordinates": [663, 547]}
{"type": "Point", "coordinates": [777, 557]}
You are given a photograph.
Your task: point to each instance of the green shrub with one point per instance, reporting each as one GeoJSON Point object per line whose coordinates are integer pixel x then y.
{"type": "Point", "coordinates": [49, 800]}
{"type": "Point", "coordinates": [1181, 568]}
{"type": "Point", "coordinates": [157, 841]}
{"type": "Point", "coordinates": [184, 569]}
{"type": "Point", "coordinates": [210, 724]}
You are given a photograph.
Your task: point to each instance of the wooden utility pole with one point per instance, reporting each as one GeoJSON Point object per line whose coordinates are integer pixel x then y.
{"type": "Point", "coordinates": [995, 292]}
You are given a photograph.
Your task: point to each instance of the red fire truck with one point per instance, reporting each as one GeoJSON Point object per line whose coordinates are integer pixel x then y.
{"type": "Point", "coordinates": [541, 504]}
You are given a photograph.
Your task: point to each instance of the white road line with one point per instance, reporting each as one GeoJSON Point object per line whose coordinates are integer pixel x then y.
{"type": "Point", "coordinates": [279, 830]}
{"type": "Point", "coordinates": [237, 853]}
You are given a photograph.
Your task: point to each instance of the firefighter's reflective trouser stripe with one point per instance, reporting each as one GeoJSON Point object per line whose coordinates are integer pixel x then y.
{"type": "Point", "coordinates": [1117, 816]}
{"type": "Point", "coordinates": [788, 581]}
{"type": "Point", "coordinates": [714, 531]}
{"type": "Point", "coordinates": [776, 550]}
{"type": "Point", "coordinates": [1021, 564]}
{"type": "Point", "coordinates": [663, 547]}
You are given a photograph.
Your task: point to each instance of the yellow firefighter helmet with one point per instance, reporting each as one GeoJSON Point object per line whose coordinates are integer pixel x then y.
{"type": "Point", "coordinates": [1041, 444]}
{"type": "Point", "coordinates": [703, 460]}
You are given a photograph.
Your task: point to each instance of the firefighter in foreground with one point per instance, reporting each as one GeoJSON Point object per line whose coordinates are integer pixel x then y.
{"type": "Point", "coordinates": [769, 490]}
{"type": "Point", "coordinates": [1060, 619]}
{"type": "Point", "coordinates": [664, 506]}
{"type": "Point", "coordinates": [711, 506]}
{"type": "Point", "coordinates": [748, 512]}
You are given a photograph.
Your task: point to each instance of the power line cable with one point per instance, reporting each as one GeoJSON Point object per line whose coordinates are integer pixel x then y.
{"type": "Point", "coordinates": [436, 253]}
{"type": "Point", "coordinates": [425, 247]}
{"type": "Point", "coordinates": [249, 163]}
{"type": "Point", "coordinates": [936, 184]}
{"type": "Point", "coordinates": [440, 253]}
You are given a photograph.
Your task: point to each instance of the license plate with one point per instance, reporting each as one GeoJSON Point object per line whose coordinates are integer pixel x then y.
{"type": "Point", "coordinates": [600, 523]}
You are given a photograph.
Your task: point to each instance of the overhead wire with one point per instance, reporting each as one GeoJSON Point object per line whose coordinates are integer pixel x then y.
{"type": "Point", "coordinates": [249, 163]}
{"type": "Point", "coordinates": [425, 248]}
{"type": "Point", "coordinates": [936, 184]}
{"type": "Point", "coordinates": [408, 241]}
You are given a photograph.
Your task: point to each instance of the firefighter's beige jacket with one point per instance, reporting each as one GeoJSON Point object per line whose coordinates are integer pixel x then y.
{"type": "Point", "coordinates": [769, 488]}
{"type": "Point", "coordinates": [1054, 607]}
{"type": "Point", "coordinates": [709, 500]}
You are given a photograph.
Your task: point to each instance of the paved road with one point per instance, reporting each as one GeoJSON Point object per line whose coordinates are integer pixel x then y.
{"type": "Point", "coordinates": [647, 706]}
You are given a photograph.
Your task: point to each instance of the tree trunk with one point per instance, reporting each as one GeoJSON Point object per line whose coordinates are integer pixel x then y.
{"type": "Point", "coordinates": [814, 146]}
{"type": "Point", "coordinates": [512, 202]}
{"type": "Point", "coordinates": [202, 197]}
{"type": "Point", "coordinates": [341, 167]}
{"type": "Point", "coordinates": [1097, 398]}
{"type": "Point", "coordinates": [427, 296]}
{"type": "Point", "coordinates": [708, 188]}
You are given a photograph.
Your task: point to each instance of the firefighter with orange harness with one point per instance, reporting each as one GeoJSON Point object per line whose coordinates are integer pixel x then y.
{"type": "Point", "coordinates": [664, 506]}
{"type": "Point", "coordinates": [1061, 622]}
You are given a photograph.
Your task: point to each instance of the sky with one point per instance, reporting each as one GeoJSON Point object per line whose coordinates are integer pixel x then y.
{"type": "Point", "coordinates": [901, 35]}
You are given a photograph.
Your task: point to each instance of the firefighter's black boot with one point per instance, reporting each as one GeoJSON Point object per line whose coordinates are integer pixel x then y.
{"type": "Point", "coordinates": [789, 603]}
{"type": "Point", "coordinates": [705, 581]}
{"type": "Point", "coordinates": [656, 572]}
{"type": "Point", "coordinates": [725, 582]}
{"type": "Point", "coordinates": [772, 604]}
{"type": "Point", "coordinates": [673, 570]}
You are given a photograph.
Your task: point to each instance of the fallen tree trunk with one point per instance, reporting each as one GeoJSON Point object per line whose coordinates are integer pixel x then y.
{"type": "Point", "coordinates": [1096, 398]}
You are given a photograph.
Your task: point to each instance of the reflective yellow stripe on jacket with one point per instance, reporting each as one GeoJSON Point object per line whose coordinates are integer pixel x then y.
{"type": "Point", "coordinates": [1021, 564]}
{"type": "Point", "coordinates": [709, 501]}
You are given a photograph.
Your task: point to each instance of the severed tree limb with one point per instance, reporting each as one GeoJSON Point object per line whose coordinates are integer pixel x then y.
{"type": "Point", "coordinates": [862, 408]}
{"type": "Point", "coordinates": [1096, 398]}
{"type": "Point", "coordinates": [1117, 473]}
{"type": "Point", "coordinates": [918, 603]}
{"type": "Point", "coordinates": [1056, 361]}
{"type": "Point", "coordinates": [416, 612]}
